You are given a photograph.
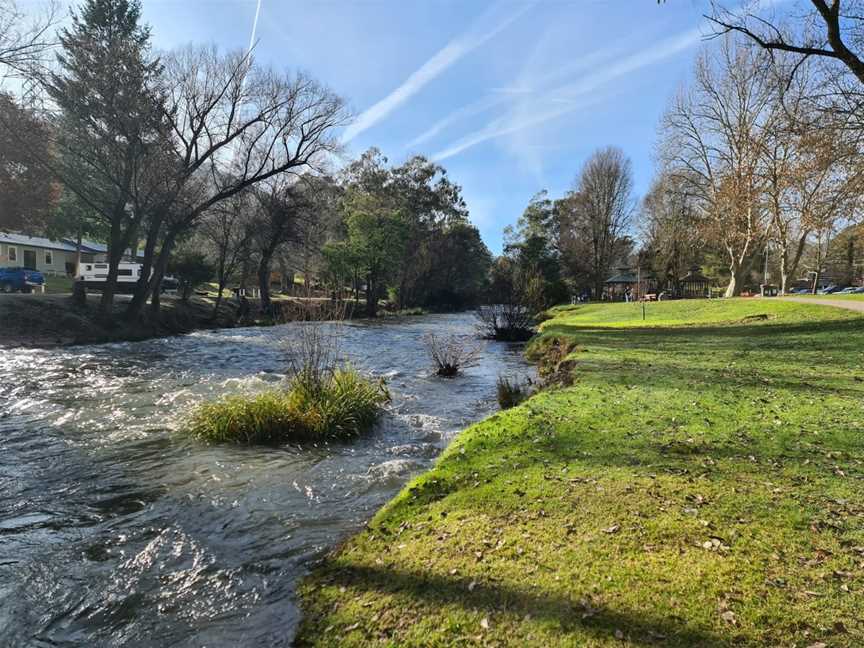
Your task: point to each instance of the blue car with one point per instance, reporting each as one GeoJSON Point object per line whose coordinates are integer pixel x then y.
{"type": "Point", "coordinates": [20, 280]}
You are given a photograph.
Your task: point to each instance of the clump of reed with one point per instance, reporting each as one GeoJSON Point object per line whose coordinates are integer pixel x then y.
{"type": "Point", "coordinates": [511, 391]}
{"type": "Point", "coordinates": [345, 405]}
{"type": "Point", "coordinates": [323, 398]}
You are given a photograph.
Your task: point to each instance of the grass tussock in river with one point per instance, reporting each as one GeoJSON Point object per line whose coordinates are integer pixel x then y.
{"type": "Point", "coordinates": [342, 405]}
{"type": "Point", "coordinates": [698, 483]}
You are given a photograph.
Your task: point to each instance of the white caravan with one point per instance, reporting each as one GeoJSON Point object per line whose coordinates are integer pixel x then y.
{"type": "Point", "coordinates": [94, 275]}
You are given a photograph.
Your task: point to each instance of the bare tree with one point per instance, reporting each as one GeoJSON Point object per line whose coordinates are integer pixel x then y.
{"type": "Point", "coordinates": [714, 137]}
{"type": "Point", "coordinates": [280, 204]}
{"type": "Point", "coordinates": [670, 228]}
{"type": "Point", "coordinates": [833, 30]}
{"type": "Point", "coordinates": [233, 125]}
{"type": "Point", "coordinates": [226, 230]}
{"type": "Point", "coordinates": [600, 208]}
{"type": "Point", "coordinates": [24, 41]}
{"type": "Point", "coordinates": [810, 171]}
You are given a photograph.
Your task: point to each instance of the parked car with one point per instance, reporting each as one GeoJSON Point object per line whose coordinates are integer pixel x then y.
{"type": "Point", "coordinates": [828, 290]}
{"type": "Point", "coordinates": [20, 280]}
{"type": "Point", "coordinates": [170, 285]}
{"type": "Point", "coordinates": [800, 291]}
{"type": "Point", "coordinates": [846, 291]}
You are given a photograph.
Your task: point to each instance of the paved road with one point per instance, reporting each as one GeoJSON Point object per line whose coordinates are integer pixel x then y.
{"type": "Point", "coordinates": [849, 304]}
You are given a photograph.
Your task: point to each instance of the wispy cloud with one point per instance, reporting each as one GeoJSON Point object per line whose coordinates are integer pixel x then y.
{"type": "Point", "coordinates": [470, 110]}
{"type": "Point", "coordinates": [489, 25]}
{"type": "Point", "coordinates": [522, 89]}
{"type": "Point", "coordinates": [573, 96]}
{"type": "Point", "coordinates": [507, 126]}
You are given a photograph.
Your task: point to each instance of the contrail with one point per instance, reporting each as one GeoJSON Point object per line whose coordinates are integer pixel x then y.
{"type": "Point", "coordinates": [486, 27]}
{"type": "Point", "coordinates": [254, 26]}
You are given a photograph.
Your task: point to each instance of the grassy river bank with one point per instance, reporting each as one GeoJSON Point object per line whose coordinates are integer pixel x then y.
{"type": "Point", "coordinates": [699, 483]}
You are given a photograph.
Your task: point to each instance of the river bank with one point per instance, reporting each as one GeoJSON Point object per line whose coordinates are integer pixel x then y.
{"type": "Point", "coordinates": [698, 484]}
{"type": "Point", "coordinates": [47, 321]}
{"type": "Point", "coordinates": [54, 320]}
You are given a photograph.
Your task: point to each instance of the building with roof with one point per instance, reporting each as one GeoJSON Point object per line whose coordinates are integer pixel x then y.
{"type": "Point", "coordinates": [632, 284]}
{"type": "Point", "coordinates": [51, 257]}
{"type": "Point", "coordinates": [694, 284]}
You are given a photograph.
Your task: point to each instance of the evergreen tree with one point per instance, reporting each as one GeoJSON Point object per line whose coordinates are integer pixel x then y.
{"type": "Point", "coordinates": [109, 133]}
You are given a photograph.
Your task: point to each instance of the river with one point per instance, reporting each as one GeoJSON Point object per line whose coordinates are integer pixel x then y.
{"type": "Point", "coordinates": [116, 530]}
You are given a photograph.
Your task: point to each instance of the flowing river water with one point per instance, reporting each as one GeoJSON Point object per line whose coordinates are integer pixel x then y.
{"type": "Point", "coordinates": [115, 530]}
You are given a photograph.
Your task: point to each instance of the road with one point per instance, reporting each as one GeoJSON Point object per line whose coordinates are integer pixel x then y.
{"type": "Point", "coordinates": [850, 304]}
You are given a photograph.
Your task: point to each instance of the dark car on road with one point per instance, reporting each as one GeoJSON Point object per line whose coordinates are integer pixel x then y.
{"type": "Point", "coordinates": [20, 280]}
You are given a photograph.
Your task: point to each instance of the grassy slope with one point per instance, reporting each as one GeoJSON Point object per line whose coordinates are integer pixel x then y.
{"type": "Point", "coordinates": [695, 486]}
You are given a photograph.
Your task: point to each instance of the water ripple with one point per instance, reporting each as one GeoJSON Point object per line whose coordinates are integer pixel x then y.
{"type": "Point", "coordinates": [117, 531]}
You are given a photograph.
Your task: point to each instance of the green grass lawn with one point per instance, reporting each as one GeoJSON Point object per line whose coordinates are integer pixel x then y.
{"type": "Point", "coordinates": [699, 484]}
{"type": "Point", "coordinates": [56, 284]}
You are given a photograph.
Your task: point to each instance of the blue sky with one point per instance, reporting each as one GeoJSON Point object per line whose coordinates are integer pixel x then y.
{"type": "Point", "coordinates": [510, 97]}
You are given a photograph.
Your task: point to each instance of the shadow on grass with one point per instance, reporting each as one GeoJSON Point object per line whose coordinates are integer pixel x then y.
{"type": "Point", "coordinates": [490, 599]}
{"type": "Point", "coordinates": [729, 337]}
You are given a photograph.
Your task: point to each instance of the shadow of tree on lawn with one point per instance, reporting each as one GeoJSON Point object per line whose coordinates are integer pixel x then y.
{"type": "Point", "coordinates": [493, 599]}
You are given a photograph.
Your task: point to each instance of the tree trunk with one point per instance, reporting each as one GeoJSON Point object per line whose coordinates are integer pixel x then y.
{"type": "Point", "coordinates": [142, 287]}
{"type": "Point", "coordinates": [784, 269]}
{"type": "Point", "coordinates": [155, 288]}
{"type": "Point", "coordinates": [154, 283]}
{"type": "Point", "coordinates": [78, 253]}
{"type": "Point", "coordinates": [371, 298]}
{"type": "Point", "coordinates": [115, 254]}
{"type": "Point", "coordinates": [736, 281]}
{"type": "Point", "coordinates": [264, 281]}
{"type": "Point", "coordinates": [222, 279]}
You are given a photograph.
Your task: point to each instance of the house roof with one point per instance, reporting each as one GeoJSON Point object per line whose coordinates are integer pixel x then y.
{"type": "Point", "coordinates": [99, 248]}
{"type": "Point", "coordinates": [35, 241]}
{"type": "Point", "coordinates": [65, 244]}
{"type": "Point", "coordinates": [695, 276]}
{"type": "Point", "coordinates": [629, 277]}
{"type": "Point", "coordinates": [88, 246]}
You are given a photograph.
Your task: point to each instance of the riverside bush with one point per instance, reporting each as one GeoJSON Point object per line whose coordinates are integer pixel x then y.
{"type": "Point", "coordinates": [343, 405]}
{"type": "Point", "coordinates": [511, 392]}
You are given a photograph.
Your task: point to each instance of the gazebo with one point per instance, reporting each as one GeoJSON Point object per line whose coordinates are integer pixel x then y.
{"type": "Point", "coordinates": [636, 284]}
{"type": "Point", "coordinates": [694, 284]}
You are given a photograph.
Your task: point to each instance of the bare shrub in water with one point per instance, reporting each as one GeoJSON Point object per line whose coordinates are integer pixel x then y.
{"type": "Point", "coordinates": [518, 299]}
{"type": "Point", "coordinates": [451, 353]}
{"type": "Point", "coordinates": [313, 347]}
{"type": "Point", "coordinates": [511, 391]}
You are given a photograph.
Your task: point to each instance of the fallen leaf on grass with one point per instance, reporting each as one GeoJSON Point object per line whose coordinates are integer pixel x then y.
{"type": "Point", "coordinates": [484, 623]}
{"type": "Point", "coordinates": [612, 529]}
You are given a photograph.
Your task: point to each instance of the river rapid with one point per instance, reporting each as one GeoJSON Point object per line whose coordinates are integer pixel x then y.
{"type": "Point", "coordinates": [115, 530]}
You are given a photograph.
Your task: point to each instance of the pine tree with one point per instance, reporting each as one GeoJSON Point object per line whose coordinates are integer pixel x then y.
{"type": "Point", "coordinates": [111, 115]}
